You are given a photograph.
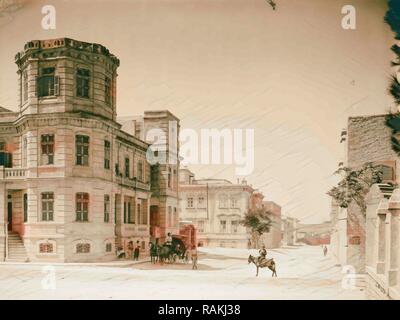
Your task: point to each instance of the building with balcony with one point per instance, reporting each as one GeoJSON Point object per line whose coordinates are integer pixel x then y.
{"type": "Point", "coordinates": [215, 207]}
{"type": "Point", "coordinates": [74, 185]}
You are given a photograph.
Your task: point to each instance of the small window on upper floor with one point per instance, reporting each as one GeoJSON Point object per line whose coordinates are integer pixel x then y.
{"type": "Point", "coordinates": [82, 83]}
{"type": "Point", "coordinates": [107, 154]}
{"type": "Point", "coordinates": [25, 89]}
{"type": "Point", "coordinates": [47, 149]}
{"type": "Point", "coordinates": [47, 83]}
{"type": "Point", "coordinates": [127, 162]}
{"type": "Point", "coordinates": [82, 150]}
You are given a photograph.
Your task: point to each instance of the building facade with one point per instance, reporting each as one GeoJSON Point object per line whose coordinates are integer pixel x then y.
{"type": "Point", "coordinates": [216, 208]}
{"type": "Point", "coordinates": [74, 186]}
{"type": "Point", "coordinates": [273, 238]}
{"type": "Point", "coordinates": [161, 130]}
{"type": "Point", "coordinates": [289, 230]}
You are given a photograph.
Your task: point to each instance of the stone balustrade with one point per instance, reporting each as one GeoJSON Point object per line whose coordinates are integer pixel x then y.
{"type": "Point", "coordinates": [12, 173]}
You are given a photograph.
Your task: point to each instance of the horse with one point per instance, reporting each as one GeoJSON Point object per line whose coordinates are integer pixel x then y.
{"type": "Point", "coordinates": [165, 253]}
{"type": "Point", "coordinates": [269, 263]}
{"type": "Point", "coordinates": [154, 252]}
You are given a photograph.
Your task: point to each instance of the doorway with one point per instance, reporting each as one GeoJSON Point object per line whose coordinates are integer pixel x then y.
{"type": "Point", "coordinates": [9, 212]}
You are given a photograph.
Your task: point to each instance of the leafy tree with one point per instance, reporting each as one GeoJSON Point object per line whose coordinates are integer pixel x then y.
{"type": "Point", "coordinates": [355, 185]}
{"type": "Point", "coordinates": [392, 18]}
{"type": "Point", "coordinates": [259, 222]}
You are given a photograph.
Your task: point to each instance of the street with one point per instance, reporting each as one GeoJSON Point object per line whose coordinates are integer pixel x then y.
{"type": "Point", "coordinates": [303, 273]}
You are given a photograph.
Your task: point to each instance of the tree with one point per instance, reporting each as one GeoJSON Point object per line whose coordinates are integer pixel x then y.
{"type": "Point", "coordinates": [355, 185]}
{"type": "Point", "coordinates": [259, 222]}
{"type": "Point", "coordinates": [392, 18]}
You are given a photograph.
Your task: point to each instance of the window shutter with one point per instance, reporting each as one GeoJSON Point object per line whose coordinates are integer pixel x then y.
{"type": "Point", "coordinates": [56, 85]}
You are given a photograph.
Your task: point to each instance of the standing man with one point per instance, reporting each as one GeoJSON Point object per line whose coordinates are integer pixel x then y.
{"type": "Point", "coordinates": [168, 240]}
{"type": "Point", "coordinates": [193, 253]}
{"type": "Point", "coordinates": [325, 248]}
{"type": "Point", "coordinates": [136, 251]}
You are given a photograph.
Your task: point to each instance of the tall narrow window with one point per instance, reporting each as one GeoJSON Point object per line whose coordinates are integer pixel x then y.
{"type": "Point", "coordinates": [47, 83]}
{"type": "Point", "coordinates": [24, 152]}
{"type": "Point", "coordinates": [47, 146]}
{"type": "Point", "coordinates": [25, 207]}
{"type": "Point", "coordinates": [233, 203]}
{"type": "Point", "coordinates": [107, 90]}
{"type": "Point", "coordinates": [106, 208]}
{"type": "Point", "coordinates": [25, 86]}
{"type": "Point", "coordinates": [127, 167]}
{"type": "Point", "coordinates": [82, 206]}
{"type": "Point", "coordinates": [130, 220]}
{"type": "Point", "coordinates": [82, 83]}
{"type": "Point", "coordinates": [200, 202]}
{"type": "Point", "coordinates": [189, 202]}
{"type": "Point", "coordinates": [107, 154]}
{"type": "Point", "coordinates": [234, 226]}
{"type": "Point", "coordinates": [125, 213]}
{"type": "Point", "coordinates": [139, 213]}
{"type": "Point", "coordinates": [115, 209]}
{"type": "Point", "coordinates": [47, 206]}
{"type": "Point", "coordinates": [140, 171]}
{"type": "Point", "coordinates": [176, 219]}
{"type": "Point", "coordinates": [200, 226]}
{"type": "Point", "coordinates": [82, 150]}
{"type": "Point", "coordinates": [222, 226]}
{"type": "Point", "coordinates": [169, 177]}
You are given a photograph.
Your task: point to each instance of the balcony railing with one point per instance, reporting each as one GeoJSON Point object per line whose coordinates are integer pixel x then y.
{"type": "Point", "coordinates": [12, 173]}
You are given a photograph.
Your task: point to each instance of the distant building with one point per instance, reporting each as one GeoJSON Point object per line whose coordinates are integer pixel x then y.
{"type": "Point", "coordinates": [273, 238]}
{"type": "Point", "coordinates": [314, 234]}
{"type": "Point", "coordinates": [289, 230]}
{"type": "Point", "coordinates": [215, 207]}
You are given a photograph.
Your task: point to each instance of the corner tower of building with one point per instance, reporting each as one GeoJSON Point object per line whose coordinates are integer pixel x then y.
{"type": "Point", "coordinates": [65, 75]}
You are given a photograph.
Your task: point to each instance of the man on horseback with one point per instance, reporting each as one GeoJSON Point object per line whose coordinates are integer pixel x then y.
{"type": "Point", "coordinates": [263, 254]}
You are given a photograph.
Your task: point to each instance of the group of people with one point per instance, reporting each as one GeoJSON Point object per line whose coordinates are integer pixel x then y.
{"type": "Point", "coordinates": [132, 252]}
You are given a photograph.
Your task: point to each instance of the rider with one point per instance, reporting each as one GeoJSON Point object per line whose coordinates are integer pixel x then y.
{"type": "Point", "coordinates": [168, 241]}
{"type": "Point", "coordinates": [263, 254]}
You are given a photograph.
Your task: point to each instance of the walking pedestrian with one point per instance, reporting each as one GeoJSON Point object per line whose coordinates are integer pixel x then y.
{"type": "Point", "coordinates": [325, 250]}
{"type": "Point", "coordinates": [194, 256]}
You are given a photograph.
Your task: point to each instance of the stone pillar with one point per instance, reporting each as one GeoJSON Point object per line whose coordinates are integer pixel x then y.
{"type": "Point", "coordinates": [394, 208]}
{"type": "Point", "coordinates": [380, 250]}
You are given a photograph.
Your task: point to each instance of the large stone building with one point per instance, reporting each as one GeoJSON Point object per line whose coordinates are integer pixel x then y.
{"type": "Point", "coordinates": [215, 207]}
{"type": "Point", "coordinates": [73, 184]}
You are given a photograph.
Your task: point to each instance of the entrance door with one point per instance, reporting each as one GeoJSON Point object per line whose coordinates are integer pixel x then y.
{"type": "Point", "coordinates": [9, 213]}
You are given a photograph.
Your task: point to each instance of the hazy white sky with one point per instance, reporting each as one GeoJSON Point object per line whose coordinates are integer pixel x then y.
{"type": "Point", "coordinates": [293, 75]}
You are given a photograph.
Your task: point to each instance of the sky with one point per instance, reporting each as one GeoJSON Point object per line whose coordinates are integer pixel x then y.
{"type": "Point", "coordinates": [293, 75]}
